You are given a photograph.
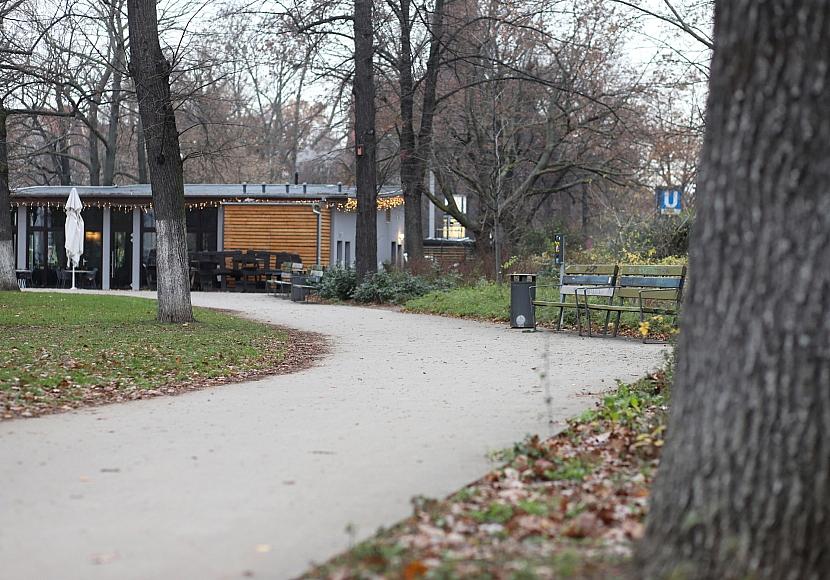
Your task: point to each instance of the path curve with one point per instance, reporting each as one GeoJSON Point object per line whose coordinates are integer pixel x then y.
{"type": "Point", "coordinates": [260, 478]}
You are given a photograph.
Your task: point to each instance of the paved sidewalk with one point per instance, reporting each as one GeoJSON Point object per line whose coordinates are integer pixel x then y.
{"type": "Point", "coordinates": [263, 477]}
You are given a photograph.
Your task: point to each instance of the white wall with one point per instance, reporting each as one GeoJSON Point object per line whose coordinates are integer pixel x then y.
{"type": "Point", "coordinates": [343, 230]}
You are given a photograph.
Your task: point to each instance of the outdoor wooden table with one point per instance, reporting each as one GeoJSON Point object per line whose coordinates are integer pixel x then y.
{"type": "Point", "coordinates": [251, 269]}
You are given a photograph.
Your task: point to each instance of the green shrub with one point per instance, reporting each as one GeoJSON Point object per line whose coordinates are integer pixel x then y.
{"type": "Point", "coordinates": [338, 284]}
{"type": "Point", "coordinates": [394, 287]}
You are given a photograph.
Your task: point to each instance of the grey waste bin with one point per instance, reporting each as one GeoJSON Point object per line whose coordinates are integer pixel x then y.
{"type": "Point", "coordinates": [522, 294]}
{"type": "Point", "coordinates": [298, 294]}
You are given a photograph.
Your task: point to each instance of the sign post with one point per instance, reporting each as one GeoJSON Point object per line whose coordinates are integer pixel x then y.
{"type": "Point", "coordinates": [559, 254]}
{"type": "Point", "coordinates": [669, 200]}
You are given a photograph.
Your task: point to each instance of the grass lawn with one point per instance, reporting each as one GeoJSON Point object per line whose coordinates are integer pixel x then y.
{"type": "Point", "coordinates": [571, 506]}
{"type": "Point", "coordinates": [64, 351]}
{"type": "Point", "coordinates": [491, 301]}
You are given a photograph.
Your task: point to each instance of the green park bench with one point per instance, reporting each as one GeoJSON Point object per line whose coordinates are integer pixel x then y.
{"type": "Point", "coordinates": [643, 290]}
{"type": "Point", "coordinates": [597, 280]}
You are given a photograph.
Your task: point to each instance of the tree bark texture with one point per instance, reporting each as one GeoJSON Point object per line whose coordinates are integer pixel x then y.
{"type": "Point", "coordinates": [92, 143]}
{"type": "Point", "coordinates": [744, 485]}
{"type": "Point", "coordinates": [8, 278]}
{"type": "Point", "coordinates": [112, 130]}
{"type": "Point", "coordinates": [417, 150]}
{"type": "Point", "coordinates": [141, 153]}
{"type": "Point", "coordinates": [151, 74]}
{"type": "Point", "coordinates": [366, 247]}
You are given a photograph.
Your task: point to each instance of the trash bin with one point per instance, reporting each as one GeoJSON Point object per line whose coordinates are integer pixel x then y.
{"type": "Point", "coordinates": [298, 293]}
{"type": "Point", "coordinates": [522, 294]}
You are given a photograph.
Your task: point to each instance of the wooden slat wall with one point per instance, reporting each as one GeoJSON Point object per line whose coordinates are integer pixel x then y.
{"type": "Point", "coordinates": [277, 228]}
{"type": "Point", "coordinates": [447, 255]}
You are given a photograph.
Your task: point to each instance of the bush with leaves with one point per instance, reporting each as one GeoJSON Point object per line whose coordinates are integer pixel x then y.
{"type": "Point", "coordinates": [397, 287]}
{"type": "Point", "coordinates": [338, 284]}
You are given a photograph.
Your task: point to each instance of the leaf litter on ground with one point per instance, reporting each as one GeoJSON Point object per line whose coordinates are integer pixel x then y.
{"type": "Point", "coordinates": [569, 506]}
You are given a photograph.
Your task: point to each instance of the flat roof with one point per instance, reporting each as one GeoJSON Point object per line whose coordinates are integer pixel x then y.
{"type": "Point", "coordinates": [203, 190]}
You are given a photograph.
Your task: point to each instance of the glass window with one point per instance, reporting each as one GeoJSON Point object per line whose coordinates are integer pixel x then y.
{"type": "Point", "coordinates": [37, 217]}
{"type": "Point", "coordinates": [148, 220]}
{"type": "Point", "coordinates": [452, 228]}
{"type": "Point", "coordinates": [201, 229]}
{"type": "Point", "coordinates": [148, 247]}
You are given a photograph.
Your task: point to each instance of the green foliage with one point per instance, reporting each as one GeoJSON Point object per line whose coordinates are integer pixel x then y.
{"type": "Point", "coordinates": [491, 301]}
{"type": "Point", "coordinates": [572, 469]}
{"type": "Point", "coordinates": [496, 512]}
{"type": "Point", "coordinates": [481, 300]}
{"type": "Point", "coordinates": [625, 406]}
{"type": "Point", "coordinates": [534, 508]}
{"type": "Point", "coordinates": [397, 287]}
{"type": "Point", "coordinates": [338, 284]}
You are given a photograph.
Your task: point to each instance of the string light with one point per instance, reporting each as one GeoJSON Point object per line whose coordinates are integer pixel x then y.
{"type": "Point", "coordinates": [350, 205]}
{"type": "Point", "coordinates": [383, 203]}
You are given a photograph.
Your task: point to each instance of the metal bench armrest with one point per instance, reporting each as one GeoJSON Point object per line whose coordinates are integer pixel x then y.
{"type": "Point", "coordinates": [585, 290]}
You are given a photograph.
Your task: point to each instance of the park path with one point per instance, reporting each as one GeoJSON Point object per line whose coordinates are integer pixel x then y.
{"type": "Point", "coordinates": [260, 478]}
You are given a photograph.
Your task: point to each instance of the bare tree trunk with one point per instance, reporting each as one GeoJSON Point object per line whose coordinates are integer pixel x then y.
{"type": "Point", "coordinates": [366, 247]}
{"type": "Point", "coordinates": [62, 145]}
{"type": "Point", "coordinates": [744, 485]}
{"type": "Point", "coordinates": [118, 61]}
{"type": "Point", "coordinates": [112, 131]}
{"type": "Point", "coordinates": [151, 74]}
{"type": "Point", "coordinates": [8, 278]}
{"type": "Point", "coordinates": [141, 152]}
{"type": "Point", "coordinates": [415, 154]}
{"type": "Point", "coordinates": [92, 144]}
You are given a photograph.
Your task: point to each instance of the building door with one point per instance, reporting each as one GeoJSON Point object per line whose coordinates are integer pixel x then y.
{"type": "Point", "coordinates": [121, 248]}
{"type": "Point", "coordinates": [46, 255]}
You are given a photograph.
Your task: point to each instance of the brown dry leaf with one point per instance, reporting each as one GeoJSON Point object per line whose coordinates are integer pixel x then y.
{"type": "Point", "coordinates": [633, 529]}
{"type": "Point", "coordinates": [415, 569]}
{"type": "Point", "coordinates": [585, 525]}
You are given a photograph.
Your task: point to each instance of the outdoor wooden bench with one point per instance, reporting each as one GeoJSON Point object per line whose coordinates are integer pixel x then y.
{"type": "Point", "coordinates": [644, 290]}
{"type": "Point", "coordinates": [594, 280]}
{"type": "Point", "coordinates": [282, 284]}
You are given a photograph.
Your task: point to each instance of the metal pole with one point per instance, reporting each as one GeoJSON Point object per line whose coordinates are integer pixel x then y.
{"type": "Point", "coordinates": [318, 210]}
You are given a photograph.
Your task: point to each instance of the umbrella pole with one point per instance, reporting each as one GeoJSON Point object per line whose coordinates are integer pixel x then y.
{"type": "Point", "coordinates": [73, 277]}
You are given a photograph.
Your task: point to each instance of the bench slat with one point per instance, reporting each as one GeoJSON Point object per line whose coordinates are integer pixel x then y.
{"type": "Point", "coordinates": [587, 280]}
{"type": "Point", "coordinates": [632, 270]}
{"type": "Point", "coordinates": [570, 290]}
{"type": "Point", "coordinates": [606, 269]}
{"type": "Point", "coordinates": [650, 282]}
{"type": "Point", "coordinates": [650, 294]}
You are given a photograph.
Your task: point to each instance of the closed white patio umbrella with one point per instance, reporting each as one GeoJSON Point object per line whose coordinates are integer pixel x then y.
{"type": "Point", "coordinates": [74, 231]}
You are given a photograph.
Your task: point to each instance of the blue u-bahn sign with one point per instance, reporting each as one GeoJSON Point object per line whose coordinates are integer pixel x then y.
{"type": "Point", "coordinates": [669, 200]}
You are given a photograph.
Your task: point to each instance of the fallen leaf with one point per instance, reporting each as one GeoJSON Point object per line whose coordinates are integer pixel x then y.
{"type": "Point", "coordinates": [415, 569]}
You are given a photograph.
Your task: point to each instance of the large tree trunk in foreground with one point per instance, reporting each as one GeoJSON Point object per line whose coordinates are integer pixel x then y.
{"type": "Point", "coordinates": [366, 245]}
{"type": "Point", "coordinates": [151, 74]}
{"type": "Point", "coordinates": [744, 485]}
{"type": "Point", "coordinates": [8, 278]}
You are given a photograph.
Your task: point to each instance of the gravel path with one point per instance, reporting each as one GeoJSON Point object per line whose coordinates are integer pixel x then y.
{"type": "Point", "coordinates": [260, 478]}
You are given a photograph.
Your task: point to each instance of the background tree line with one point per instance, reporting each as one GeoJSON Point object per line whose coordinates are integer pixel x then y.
{"type": "Point", "coordinates": [534, 111]}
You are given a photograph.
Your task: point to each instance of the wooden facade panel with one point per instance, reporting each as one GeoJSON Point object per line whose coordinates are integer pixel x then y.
{"type": "Point", "coordinates": [277, 228]}
{"type": "Point", "coordinates": [447, 256]}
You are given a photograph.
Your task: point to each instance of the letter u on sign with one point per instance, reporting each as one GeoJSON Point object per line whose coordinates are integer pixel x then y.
{"type": "Point", "coordinates": [669, 200]}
